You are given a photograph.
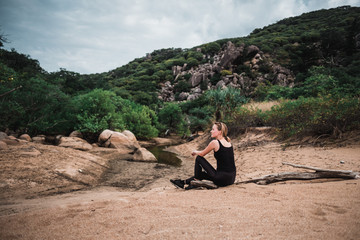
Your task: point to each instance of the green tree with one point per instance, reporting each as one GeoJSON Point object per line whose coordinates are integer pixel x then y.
{"type": "Point", "coordinates": [96, 111]}
{"type": "Point", "coordinates": [171, 118]}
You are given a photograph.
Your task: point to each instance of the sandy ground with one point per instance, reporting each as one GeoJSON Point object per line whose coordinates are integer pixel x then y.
{"type": "Point", "coordinates": [318, 209]}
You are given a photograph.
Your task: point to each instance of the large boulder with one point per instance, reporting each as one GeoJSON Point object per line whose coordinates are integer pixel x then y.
{"type": "Point", "coordinates": [75, 142]}
{"type": "Point", "coordinates": [143, 155]}
{"type": "Point", "coordinates": [124, 141]}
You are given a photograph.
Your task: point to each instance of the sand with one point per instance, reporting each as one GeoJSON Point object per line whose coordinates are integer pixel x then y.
{"type": "Point", "coordinates": [317, 209]}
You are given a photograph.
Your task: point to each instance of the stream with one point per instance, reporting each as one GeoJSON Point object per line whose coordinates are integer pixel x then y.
{"type": "Point", "coordinates": [164, 156]}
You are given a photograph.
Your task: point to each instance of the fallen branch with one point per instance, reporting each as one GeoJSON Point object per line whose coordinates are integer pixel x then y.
{"type": "Point", "coordinates": [319, 173]}
{"type": "Point", "coordinates": [317, 169]}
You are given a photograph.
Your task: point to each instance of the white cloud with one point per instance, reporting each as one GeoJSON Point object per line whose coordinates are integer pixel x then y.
{"type": "Point", "coordinates": [96, 36]}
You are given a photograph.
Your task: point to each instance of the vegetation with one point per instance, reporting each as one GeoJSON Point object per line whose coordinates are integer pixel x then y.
{"type": "Point", "coordinates": [319, 47]}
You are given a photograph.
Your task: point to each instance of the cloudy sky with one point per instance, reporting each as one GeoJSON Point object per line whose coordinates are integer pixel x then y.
{"type": "Point", "coordinates": [94, 36]}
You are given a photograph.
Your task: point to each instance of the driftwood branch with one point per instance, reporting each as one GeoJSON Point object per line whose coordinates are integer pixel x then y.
{"type": "Point", "coordinates": [317, 169]}
{"type": "Point", "coordinates": [319, 173]}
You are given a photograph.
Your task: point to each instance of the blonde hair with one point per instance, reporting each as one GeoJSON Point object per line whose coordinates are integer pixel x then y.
{"type": "Point", "coordinates": [224, 130]}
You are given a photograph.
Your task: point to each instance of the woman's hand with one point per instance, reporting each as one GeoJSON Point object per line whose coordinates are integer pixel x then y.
{"type": "Point", "coordinates": [195, 153]}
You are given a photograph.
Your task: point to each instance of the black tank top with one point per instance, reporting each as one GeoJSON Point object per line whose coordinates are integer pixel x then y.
{"type": "Point", "coordinates": [225, 159]}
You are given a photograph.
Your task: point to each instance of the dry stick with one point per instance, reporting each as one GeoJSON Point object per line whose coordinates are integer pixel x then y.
{"type": "Point", "coordinates": [319, 173]}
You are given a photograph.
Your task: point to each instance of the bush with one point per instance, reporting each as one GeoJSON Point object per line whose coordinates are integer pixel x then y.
{"type": "Point", "coordinates": [225, 101]}
{"type": "Point", "coordinates": [95, 111]}
{"type": "Point", "coordinates": [225, 72]}
{"type": "Point", "coordinates": [211, 48]}
{"type": "Point", "coordinates": [244, 118]}
{"type": "Point", "coordinates": [308, 116]}
{"type": "Point", "coordinates": [182, 86]}
{"type": "Point", "coordinates": [192, 62]}
{"type": "Point", "coordinates": [99, 110]}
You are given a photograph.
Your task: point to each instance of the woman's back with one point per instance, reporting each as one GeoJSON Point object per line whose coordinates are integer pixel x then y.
{"type": "Point", "coordinates": [225, 158]}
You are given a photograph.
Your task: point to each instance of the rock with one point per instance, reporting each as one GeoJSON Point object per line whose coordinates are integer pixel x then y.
{"type": "Point", "coordinates": [220, 84]}
{"type": "Point", "coordinates": [231, 53]}
{"type": "Point", "coordinates": [252, 50]}
{"type": "Point", "coordinates": [143, 155]}
{"type": "Point", "coordinates": [76, 134]}
{"type": "Point", "coordinates": [31, 152]}
{"type": "Point", "coordinates": [176, 70]}
{"type": "Point", "coordinates": [75, 142]}
{"type": "Point", "coordinates": [166, 93]}
{"type": "Point", "coordinates": [10, 141]}
{"type": "Point", "coordinates": [3, 145]}
{"type": "Point", "coordinates": [183, 96]}
{"type": "Point", "coordinates": [357, 40]}
{"type": "Point", "coordinates": [193, 96]}
{"type": "Point", "coordinates": [25, 137]}
{"type": "Point", "coordinates": [129, 135]}
{"type": "Point", "coordinates": [196, 79]}
{"type": "Point", "coordinates": [126, 141]}
{"type": "Point", "coordinates": [39, 139]}
{"type": "Point", "coordinates": [3, 135]}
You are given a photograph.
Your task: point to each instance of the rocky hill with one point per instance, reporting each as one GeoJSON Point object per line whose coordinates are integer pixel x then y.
{"type": "Point", "coordinates": [226, 62]}
{"type": "Point", "coordinates": [279, 54]}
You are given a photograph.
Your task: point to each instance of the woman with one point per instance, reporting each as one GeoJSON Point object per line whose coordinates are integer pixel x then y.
{"type": "Point", "coordinates": [223, 151]}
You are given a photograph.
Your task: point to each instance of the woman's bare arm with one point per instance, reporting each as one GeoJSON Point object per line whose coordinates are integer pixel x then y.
{"type": "Point", "coordinates": [211, 146]}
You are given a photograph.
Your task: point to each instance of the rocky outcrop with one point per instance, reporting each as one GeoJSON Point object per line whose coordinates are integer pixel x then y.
{"type": "Point", "coordinates": [167, 92]}
{"type": "Point", "coordinates": [233, 58]}
{"type": "Point", "coordinates": [231, 53]}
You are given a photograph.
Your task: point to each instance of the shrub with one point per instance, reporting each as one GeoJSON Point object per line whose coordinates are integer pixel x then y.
{"type": "Point", "coordinates": [324, 115]}
{"type": "Point", "coordinates": [211, 48]}
{"type": "Point", "coordinates": [215, 79]}
{"type": "Point", "coordinates": [192, 62]}
{"type": "Point", "coordinates": [244, 118]}
{"type": "Point", "coordinates": [182, 86]}
{"type": "Point", "coordinates": [225, 72]}
{"type": "Point", "coordinates": [225, 101]}
{"type": "Point", "coordinates": [96, 111]}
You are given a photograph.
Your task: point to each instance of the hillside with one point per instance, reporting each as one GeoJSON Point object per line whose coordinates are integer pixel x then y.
{"type": "Point", "coordinates": [183, 90]}
{"type": "Point", "coordinates": [278, 54]}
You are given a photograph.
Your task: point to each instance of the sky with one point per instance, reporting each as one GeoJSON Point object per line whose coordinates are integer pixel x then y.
{"type": "Point", "coordinates": [95, 36]}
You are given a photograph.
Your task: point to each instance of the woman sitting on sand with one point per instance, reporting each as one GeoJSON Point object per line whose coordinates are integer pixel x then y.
{"type": "Point", "coordinates": [223, 151]}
